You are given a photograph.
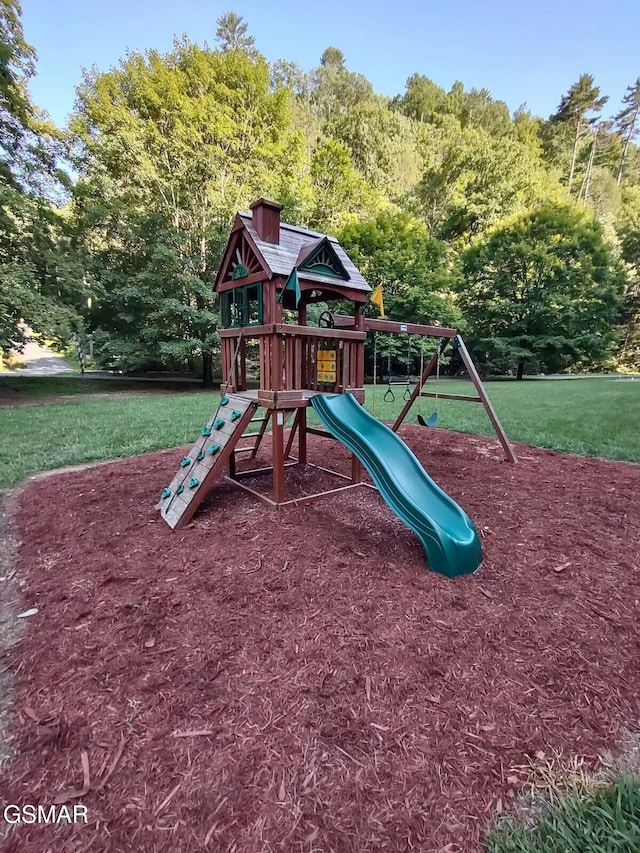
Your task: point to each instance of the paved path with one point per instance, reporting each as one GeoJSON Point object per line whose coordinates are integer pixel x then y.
{"type": "Point", "coordinates": [41, 361]}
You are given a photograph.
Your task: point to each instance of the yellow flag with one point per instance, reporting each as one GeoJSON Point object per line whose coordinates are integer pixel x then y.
{"type": "Point", "coordinates": [376, 298]}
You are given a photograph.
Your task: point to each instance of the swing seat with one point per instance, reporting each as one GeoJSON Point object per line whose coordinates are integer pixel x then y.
{"type": "Point", "coordinates": [431, 420]}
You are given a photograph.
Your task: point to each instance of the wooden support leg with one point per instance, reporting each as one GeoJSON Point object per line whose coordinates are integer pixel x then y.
{"type": "Point", "coordinates": [232, 465]}
{"type": "Point", "coordinates": [263, 427]}
{"type": "Point", "coordinates": [356, 470]}
{"type": "Point", "coordinates": [292, 434]}
{"type": "Point", "coordinates": [277, 436]}
{"type": "Point", "coordinates": [302, 436]}
{"type": "Point", "coordinates": [510, 456]}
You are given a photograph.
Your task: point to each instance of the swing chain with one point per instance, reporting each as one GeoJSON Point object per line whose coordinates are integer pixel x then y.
{"type": "Point", "coordinates": [375, 370]}
{"type": "Point", "coordinates": [407, 391]}
{"type": "Point", "coordinates": [389, 396]}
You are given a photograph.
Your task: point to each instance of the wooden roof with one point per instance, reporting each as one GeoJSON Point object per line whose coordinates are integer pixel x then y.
{"type": "Point", "coordinates": [295, 245]}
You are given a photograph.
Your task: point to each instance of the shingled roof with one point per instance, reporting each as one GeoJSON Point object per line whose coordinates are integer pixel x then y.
{"type": "Point", "coordinates": [295, 245]}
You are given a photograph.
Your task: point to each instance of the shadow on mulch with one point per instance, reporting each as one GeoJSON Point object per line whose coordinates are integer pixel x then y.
{"type": "Point", "coordinates": [299, 681]}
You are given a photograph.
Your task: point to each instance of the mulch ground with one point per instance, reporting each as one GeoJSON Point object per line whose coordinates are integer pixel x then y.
{"type": "Point", "coordinates": [299, 681]}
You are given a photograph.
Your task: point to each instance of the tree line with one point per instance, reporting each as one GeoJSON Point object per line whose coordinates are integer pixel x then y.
{"type": "Point", "coordinates": [521, 231]}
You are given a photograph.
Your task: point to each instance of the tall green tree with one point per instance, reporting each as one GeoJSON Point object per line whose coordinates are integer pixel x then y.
{"type": "Point", "coordinates": [477, 181]}
{"type": "Point", "coordinates": [627, 123]}
{"type": "Point", "coordinates": [576, 115]}
{"type": "Point", "coordinates": [423, 100]}
{"type": "Point", "coordinates": [334, 89]}
{"type": "Point", "coordinates": [383, 145]}
{"type": "Point", "coordinates": [542, 291]}
{"type": "Point", "coordinates": [172, 146]}
{"type": "Point", "coordinates": [395, 250]}
{"type": "Point", "coordinates": [40, 270]}
{"type": "Point", "coordinates": [17, 65]}
{"type": "Point", "coordinates": [338, 189]}
{"type": "Point", "coordinates": [231, 33]}
{"type": "Point", "coordinates": [629, 355]}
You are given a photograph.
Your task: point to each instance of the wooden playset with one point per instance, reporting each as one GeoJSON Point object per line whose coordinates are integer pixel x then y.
{"type": "Point", "coordinates": [270, 273]}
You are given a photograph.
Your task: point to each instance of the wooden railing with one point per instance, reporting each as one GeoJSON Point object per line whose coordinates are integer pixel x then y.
{"type": "Point", "coordinates": [288, 357]}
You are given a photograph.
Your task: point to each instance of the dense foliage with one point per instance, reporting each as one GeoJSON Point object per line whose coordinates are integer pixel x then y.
{"type": "Point", "coordinates": [39, 269]}
{"type": "Point", "coordinates": [542, 291]}
{"type": "Point", "coordinates": [521, 230]}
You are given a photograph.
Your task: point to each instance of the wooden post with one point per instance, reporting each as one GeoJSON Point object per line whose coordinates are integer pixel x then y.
{"type": "Point", "coordinates": [277, 437]}
{"type": "Point", "coordinates": [356, 470]}
{"type": "Point", "coordinates": [292, 434]}
{"type": "Point", "coordinates": [276, 362]}
{"type": "Point", "coordinates": [475, 378]}
{"type": "Point", "coordinates": [302, 436]}
{"type": "Point", "coordinates": [242, 357]}
{"type": "Point", "coordinates": [261, 432]}
{"type": "Point", "coordinates": [358, 318]}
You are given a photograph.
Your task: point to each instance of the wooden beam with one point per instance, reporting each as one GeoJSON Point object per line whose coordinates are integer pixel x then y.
{"type": "Point", "coordinates": [302, 436]}
{"type": "Point", "coordinates": [232, 284]}
{"type": "Point", "coordinates": [344, 321]}
{"type": "Point", "coordinates": [393, 327]}
{"type": "Point", "coordinates": [307, 499]}
{"type": "Point", "coordinates": [475, 378]}
{"type": "Point", "coordinates": [268, 469]}
{"type": "Point", "coordinates": [316, 332]}
{"type": "Point", "coordinates": [321, 432]}
{"type": "Point", "coordinates": [260, 434]}
{"type": "Point", "coordinates": [249, 331]}
{"type": "Point", "coordinates": [277, 437]}
{"type": "Point", "coordinates": [450, 396]}
{"type": "Point", "coordinates": [253, 493]}
{"type": "Point", "coordinates": [292, 433]}
{"type": "Point", "coordinates": [330, 471]}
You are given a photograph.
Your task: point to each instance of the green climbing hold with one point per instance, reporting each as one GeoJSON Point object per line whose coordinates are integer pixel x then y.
{"type": "Point", "coordinates": [186, 461]}
{"type": "Point", "coordinates": [206, 430]}
{"type": "Point", "coordinates": [224, 400]}
{"type": "Point", "coordinates": [219, 422]}
{"type": "Point", "coordinates": [179, 490]}
{"type": "Point", "coordinates": [166, 493]}
{"type": "Point", "coordinates": [214, 449]}
{"type": "Point", "coordinates": [193, 482]}
{"type": "Point", "coordinates": [200, 456]}
{"type": "Point", "coordinates": [235, 415]}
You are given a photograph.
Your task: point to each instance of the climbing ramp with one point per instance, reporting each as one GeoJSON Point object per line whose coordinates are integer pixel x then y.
{"type": "Point", "coordinates": [206, 461]}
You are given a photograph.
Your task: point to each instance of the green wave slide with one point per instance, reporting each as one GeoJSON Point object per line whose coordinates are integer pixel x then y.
{"type": "Point", "coordinates": [446, 532]}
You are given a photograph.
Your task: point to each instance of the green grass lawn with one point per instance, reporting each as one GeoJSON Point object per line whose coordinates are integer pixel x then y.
{"type": "Point", "coordinates": [598, 416]}
{"type": "Point", "coordinates": [600, 821]}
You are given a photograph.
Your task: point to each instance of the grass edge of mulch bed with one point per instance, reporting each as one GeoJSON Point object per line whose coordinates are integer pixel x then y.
{"type": "Point", "coordinates": [582, 816]}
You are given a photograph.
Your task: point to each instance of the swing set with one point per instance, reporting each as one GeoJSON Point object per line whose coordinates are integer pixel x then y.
{"type": "Point", "coordinates": [446, 338]}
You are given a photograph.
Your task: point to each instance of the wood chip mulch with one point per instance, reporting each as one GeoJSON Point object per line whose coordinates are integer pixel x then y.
{"type": "Point", "coordinates": [299, 681]}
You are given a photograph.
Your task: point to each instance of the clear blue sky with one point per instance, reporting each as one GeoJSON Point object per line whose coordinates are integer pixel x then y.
{"type": "Point", "coordinates": [521, 50]}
